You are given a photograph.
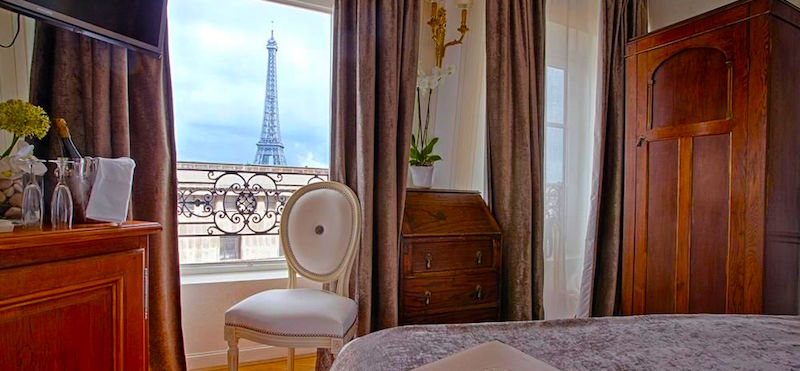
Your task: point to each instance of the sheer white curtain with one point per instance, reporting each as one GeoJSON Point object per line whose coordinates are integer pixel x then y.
{"type": "Point", "coordinates": [570, 81]}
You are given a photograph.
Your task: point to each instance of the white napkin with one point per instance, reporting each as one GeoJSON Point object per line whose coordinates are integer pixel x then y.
{"type": "Point", "coordinates": [111, 191]}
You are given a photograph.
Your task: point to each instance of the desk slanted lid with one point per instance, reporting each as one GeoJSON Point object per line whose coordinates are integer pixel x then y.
{"type": "Point", "coordinates": [446, 213]}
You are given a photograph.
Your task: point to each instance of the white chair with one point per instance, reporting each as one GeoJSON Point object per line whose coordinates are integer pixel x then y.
{"type": "Point", "coordinates": [320, 232]}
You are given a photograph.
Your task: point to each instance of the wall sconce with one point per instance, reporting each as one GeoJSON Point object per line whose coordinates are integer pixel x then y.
{"type": "Point", "coordinates": [438, 25]}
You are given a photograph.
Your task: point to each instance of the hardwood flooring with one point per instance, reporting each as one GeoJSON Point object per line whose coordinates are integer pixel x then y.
{"type": "Point", "coordinates": [301, 363]}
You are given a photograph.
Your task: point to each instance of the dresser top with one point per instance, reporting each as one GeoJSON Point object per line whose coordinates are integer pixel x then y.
{"type": "Point", "coordinates": [22, 237]}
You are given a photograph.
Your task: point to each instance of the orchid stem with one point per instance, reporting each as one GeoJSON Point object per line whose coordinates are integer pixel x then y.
{"type": "Point", "coordinates": [419, 117]}
{"type": "Point", "coordinates": [427, 117]}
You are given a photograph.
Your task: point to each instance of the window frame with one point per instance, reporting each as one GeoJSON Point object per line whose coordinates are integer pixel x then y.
{"type": "Point", "coordinates": [563, 127]}
{"type": "Point", "coordinates": [270, 265]}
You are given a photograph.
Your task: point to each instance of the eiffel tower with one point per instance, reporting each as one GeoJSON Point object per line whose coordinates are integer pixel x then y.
{"type": "Point", "coordinates": [270, 146]}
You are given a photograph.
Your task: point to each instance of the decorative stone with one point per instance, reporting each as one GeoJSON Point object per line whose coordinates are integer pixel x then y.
{"type": "Point", "coordinates": [16, 200]}
{"type": "Point", "coordinates": [5, 183]}
{"type": "Point", "coordinates": [18, 187]}
{"type": "Point", "coordinates": [3, 197]}
{"type": "Point", "coordinates": [13, 213]}
{"type": "Point", "coordinates": [9, 191]}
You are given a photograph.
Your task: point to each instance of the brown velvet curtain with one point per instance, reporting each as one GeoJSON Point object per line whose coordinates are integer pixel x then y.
{"type": "Point", "coordinates": [515, 126]}
{"type": "Point", "coordinates": [600, 287]}
{"type": "Point", "coordinates": [375, 45]}
{"type": "Point", "coordinates": [119, 103]}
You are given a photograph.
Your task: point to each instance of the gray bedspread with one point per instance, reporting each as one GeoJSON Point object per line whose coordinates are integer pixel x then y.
{"type": "Point", "coordinates": [664, 342]}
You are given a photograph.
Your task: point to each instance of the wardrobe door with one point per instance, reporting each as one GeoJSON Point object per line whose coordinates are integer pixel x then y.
{"type": "Point", "coordinates": [689, 153]}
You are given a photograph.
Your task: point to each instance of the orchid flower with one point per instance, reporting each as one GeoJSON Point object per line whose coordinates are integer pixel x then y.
{"type": "Point", "coordinates": [18, 163]}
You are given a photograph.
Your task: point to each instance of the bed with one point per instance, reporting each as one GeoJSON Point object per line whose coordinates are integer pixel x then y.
{"type": "Point", "coordinates": [654, 342]}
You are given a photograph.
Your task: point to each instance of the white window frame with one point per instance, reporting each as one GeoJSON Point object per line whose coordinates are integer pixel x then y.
{"type": "Point", "coordinates": [273, 265]}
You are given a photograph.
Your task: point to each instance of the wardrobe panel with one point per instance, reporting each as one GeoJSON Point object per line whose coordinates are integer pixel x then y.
{"type": "Point", "coordinates": [677, 97]}
{"type": "Point", "coordinates": [710, 223]}
{"type": "Point", "coordinates": [662, 224]}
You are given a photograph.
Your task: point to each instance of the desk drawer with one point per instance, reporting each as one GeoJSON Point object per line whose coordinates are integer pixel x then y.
{"type": "Point", "coordinates": [437, 256]}
{"type": "Point", "coordinates": [456, 291]}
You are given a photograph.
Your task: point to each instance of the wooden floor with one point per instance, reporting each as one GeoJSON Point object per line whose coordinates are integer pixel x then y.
{"type": "Point", "coordinates": [301, 363]}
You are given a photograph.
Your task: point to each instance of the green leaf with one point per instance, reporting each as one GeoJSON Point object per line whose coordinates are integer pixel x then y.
{"type": "Point", "coordinates": [433, 158]}
{"type": "Point", "coordinates": [414, 153]}
{"type": "Point", "coordinates": [429, 147]}
{"type": "Point", "coordinates": [413, 140]}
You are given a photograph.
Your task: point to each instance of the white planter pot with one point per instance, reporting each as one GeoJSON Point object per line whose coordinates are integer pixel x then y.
{"type": "Point", "coordinates": [422, 176]}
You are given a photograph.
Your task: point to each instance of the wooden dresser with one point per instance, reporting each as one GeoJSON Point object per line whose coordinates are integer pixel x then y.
{"type": "Point", "coordinates": [450, 259]}
{"type": "Point", "coordinates": [74, 300]}
{"type": "Point", "coordinates": [712, 176]}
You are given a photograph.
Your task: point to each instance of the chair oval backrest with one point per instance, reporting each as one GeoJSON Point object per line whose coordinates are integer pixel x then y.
{"type": "Point", "coordinates": [320, 230]}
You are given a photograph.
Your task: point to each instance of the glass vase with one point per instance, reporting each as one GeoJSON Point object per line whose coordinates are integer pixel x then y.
{"type": "Point", "coordinates": [11, 199]}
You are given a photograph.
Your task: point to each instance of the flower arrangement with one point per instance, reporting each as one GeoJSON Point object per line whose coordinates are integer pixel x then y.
{"type": "Point", "coordinates": [421, 146]}
{"type": "Point", "coordinates": [22, 120]}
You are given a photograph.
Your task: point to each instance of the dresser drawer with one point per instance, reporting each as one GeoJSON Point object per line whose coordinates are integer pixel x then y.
{"type": "Point", "coordinates": [455, 316]}
{"type": "Point", "coordinates": [454, 292]}
{"type": "Point", "coordinates": [451, 255]}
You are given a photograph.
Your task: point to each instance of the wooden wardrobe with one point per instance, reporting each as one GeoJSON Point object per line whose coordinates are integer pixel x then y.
{"type": "Point", "coordinates": [712, 164]}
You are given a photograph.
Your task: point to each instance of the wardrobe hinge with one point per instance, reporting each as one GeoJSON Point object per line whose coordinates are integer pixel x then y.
{"type": "Point", "coordinates": [146, 292]}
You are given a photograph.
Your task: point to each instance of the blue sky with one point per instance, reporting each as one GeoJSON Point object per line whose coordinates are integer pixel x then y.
{"type": "Point", "coordinates": [219, 66]}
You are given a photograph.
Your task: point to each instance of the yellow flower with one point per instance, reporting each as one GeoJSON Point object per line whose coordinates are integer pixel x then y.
{"type": "Point", "coordinates": [23, 119]}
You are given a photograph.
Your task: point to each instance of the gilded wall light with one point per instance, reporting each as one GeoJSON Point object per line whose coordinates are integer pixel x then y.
{"type": "Point", "coordinates": [438, 23]}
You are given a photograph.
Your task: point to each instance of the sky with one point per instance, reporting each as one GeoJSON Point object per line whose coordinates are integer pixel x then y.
{"type": "Point", "coordinates": [218, 58]}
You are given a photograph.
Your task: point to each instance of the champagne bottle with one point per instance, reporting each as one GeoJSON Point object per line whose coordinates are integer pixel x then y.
{"type": "Point", "coordinates": [68, 148]}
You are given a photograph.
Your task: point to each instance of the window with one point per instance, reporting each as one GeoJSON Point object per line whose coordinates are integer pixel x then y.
{"type": "Point", "coordinates": [251, 92]}
{"type": "Point", "coordinates": [554, 121]}
{"type": "Point", "coordinates": [570, 84]}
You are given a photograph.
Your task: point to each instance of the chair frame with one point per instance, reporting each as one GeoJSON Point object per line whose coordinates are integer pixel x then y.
{"type": "Point", "coordinates": [338, 279]}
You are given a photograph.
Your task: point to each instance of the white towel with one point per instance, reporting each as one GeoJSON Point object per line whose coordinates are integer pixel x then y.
{"type": "Point", "coordinates": [111, 191]}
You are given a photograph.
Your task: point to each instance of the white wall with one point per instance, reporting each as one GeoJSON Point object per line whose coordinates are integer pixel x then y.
{"type": "Point", "coordinates": [458, 110]}
{"type": "Point", "coordinates": [204, 300]}
{"type": "Point", "coordinates": [663, 13]}
{"type": "Point", "coordinates": [15, 62]}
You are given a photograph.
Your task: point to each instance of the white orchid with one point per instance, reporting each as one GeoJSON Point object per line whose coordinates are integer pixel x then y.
{"type": "Point", "coordinates": [19, 162]}
{"type": "Point", "coordinates": [427, 83]}
{"type": "Point", "coordinates": [423, 82]}
{"type": "Point", "coordinates": [421, 146]}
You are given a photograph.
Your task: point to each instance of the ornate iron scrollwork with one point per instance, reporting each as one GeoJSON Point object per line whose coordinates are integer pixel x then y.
{"type": "Point", "coordinates": [238, 202]}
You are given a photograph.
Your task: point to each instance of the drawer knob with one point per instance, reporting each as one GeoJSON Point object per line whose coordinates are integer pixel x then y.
{"type": "Point", "coordinates": [478, 257]}
{"type": "Point", "coordinates": [428, 260]}
{"type": "Point", "coordinates": [427, 297]}
{"type": "Point", "coordinates": [478, 292]}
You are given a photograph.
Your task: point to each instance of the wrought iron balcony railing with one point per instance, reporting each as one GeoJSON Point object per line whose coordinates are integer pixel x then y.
{"type": "Point", "coordinates": [233, 212]}
{"type": "Point", "coordinates": [553, 220]}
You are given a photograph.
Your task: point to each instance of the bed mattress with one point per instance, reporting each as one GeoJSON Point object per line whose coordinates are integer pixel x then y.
{"type": "Point", "coordinates": [654, 342]}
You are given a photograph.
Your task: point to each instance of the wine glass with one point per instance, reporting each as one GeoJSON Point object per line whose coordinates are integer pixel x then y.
{"type": "Point", "coordinates": [61, 207]}
{"type": "Point", "coordinates": [31, 194]}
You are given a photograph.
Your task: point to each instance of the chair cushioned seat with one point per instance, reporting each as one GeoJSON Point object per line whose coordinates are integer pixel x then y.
{"type": "Point", "coordinates": [294, 312]}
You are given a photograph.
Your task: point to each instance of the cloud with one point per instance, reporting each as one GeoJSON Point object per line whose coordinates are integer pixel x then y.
{"type": "Point", "coordinates": [219, 63]}
{"type": "Point", "coordinates": [309, 161]}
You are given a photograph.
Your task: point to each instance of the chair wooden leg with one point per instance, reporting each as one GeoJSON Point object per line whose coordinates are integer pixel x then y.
{"type": "Point", "coordinates": [290, 360]}
{"type": "Point", "coordinates": [233, 349]}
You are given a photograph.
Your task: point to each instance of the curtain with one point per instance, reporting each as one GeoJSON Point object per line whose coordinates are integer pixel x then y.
{"type": "Point", "coordinates": [375, 46]}
{"type": "Point", "coordinates": [600, 287]}
{"type": "Point", "coordinates": [514, 123]}
{"type": "Point", "coordinates": [570, 97]}
{"type": "Point", "coordinates": [119, 103]}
